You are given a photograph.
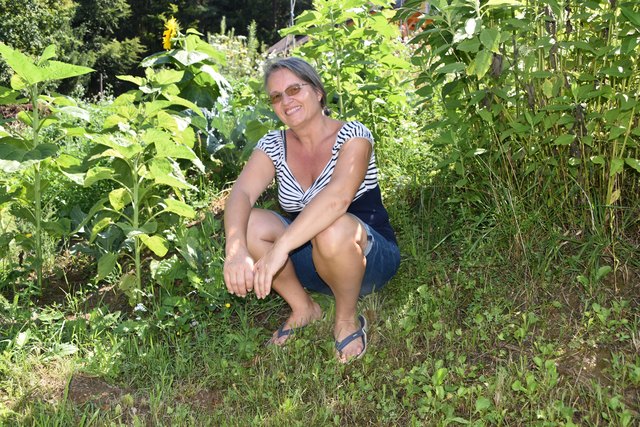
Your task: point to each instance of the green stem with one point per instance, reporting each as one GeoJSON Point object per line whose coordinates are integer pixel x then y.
{"type": "Point", "coordinates": [37, 186]}
{"type": "Point", "coordinates": [338, 55]}
{"type": "Point", "coordinates": [136, 223]}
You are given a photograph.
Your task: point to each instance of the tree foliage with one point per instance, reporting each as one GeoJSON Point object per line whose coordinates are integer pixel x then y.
{"type": "Point", "coordinates": [112, 36]}
{"type": "Point", "coordinates": [32, 25]}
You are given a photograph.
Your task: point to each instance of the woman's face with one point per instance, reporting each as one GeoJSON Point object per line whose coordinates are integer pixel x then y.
{"type": "Point", "coordinates": [292, 99]}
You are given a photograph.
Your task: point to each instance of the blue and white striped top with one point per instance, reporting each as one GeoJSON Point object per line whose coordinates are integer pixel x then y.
{"type": "Point", "coordinates": [367, 202]}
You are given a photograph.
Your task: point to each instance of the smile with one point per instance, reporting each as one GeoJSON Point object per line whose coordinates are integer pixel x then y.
{"type": "Point", "coordinates": [290, 111]}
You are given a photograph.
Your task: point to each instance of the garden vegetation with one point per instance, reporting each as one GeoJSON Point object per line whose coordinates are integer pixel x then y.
{"type": "Point", "coordinates": [508, 145]}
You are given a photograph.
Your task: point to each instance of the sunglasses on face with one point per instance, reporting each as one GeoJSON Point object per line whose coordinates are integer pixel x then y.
{"type": "Point", "coordinates": [292, 90]}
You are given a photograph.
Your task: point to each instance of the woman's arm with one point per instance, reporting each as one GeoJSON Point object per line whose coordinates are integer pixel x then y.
{"type": "Point", "coordinates": [325, 208]}
{"type": "Point", "coordinates": [256, 175]}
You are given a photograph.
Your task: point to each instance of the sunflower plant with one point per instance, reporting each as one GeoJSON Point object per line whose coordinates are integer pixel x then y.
{"type": "Point", "coordinates": [171, 30]}
{"type": "Point", "coordinates": [25, 151]}
{"type": "Point", "coordinates": [202, 83]}
{"type": "Point", "coordinates": [146, 149]}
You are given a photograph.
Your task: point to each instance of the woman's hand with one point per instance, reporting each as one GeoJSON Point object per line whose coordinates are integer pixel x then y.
{"type": "Point", "coordinates": [266, 268]}
{"type": "Point", "coordinates": [238, 274]}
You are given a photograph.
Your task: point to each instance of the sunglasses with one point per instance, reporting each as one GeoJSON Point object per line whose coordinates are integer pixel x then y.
{"type": "Point", "coordinates": [292, 90]}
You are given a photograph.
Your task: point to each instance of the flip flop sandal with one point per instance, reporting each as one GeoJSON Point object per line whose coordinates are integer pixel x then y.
{"type": "Point", "coordinates": [360, 333]}
{"type": "Point", "coordinates": [282, 332]}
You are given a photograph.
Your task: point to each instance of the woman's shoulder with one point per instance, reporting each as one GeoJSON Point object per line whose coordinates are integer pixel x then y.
{"type": "Point", "coordinates": [355, 129]}
{"type": "Point", "coordinates": [272, 144]}
{"type": "Point", "coordinates": [271, 138]}
{"type": "Point", "coordinates": [273, 135]}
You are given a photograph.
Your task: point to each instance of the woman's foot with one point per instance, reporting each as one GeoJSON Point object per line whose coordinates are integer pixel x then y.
{"type": "Point", "coordinates": [298, 319]}
{"type": "Point", "coordinates": [351, 338]}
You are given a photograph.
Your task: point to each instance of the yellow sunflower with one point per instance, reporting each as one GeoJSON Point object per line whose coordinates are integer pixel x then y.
{"type": "Point", "coordinates": [171, 29]}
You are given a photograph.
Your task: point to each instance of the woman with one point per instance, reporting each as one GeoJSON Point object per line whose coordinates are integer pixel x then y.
{"type": "Point", "coordinates": [336, 237]}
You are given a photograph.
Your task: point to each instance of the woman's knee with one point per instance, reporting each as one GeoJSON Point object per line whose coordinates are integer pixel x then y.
{"type": "Point", "coordinates": [346, 232]}
{"type": "Point", "coordinates": [263, 226]}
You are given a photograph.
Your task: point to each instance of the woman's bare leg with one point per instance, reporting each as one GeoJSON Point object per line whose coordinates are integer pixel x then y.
{"type": "Point", "coordinates": [338, 255]}
{"type": "Point", "coordinates": [263, 229]}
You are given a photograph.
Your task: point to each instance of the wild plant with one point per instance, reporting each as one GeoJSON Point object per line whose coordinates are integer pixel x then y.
{"type": "Point", "coordinates": [541, 94]}
{"type": "Point", "coordinates": [147, 148]}
{"type": "Point", "coordinates": [28, 150]}
{"type": "Point", "coordinates": [359, 53]}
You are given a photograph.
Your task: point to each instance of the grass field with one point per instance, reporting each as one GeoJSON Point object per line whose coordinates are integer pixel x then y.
{"type": "Point", "coordinates": [478, 328]}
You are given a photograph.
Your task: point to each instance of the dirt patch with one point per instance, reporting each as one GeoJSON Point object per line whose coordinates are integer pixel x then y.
{"type": "Point", "coordinates": [86, 389]}
{"type": "Point", "coordinates": [74, 273]}
{"type": "Point", "coordinates": [203, 400]}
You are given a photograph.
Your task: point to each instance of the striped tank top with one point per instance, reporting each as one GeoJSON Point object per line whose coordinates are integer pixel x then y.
{"type": "Point", "coordinates": [367, 202]}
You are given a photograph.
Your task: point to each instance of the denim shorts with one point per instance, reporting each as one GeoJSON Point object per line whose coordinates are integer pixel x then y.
{"type": "Point", "coordinates": [383, 261]}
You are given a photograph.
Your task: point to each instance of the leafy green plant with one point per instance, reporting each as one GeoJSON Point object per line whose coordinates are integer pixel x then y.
{"type": "Point", "coordinates": [359, 54]}
{"type": "Point", "coordinates": [538, 98]}
{"type": "Point", "coordinates": [23, 150]}
{"type": "Point", "coordinates": [146, 145]}
{"type": "Point", "coordinates": [140, 151]}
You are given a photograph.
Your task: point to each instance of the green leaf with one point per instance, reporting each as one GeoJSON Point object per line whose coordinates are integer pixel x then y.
{"type": "Point", "coordinates": [128, 282]}
{"type": "Point", "coordinates": [157, 244]}
{"type": "Point", "coordinates": [583, 280]}
{"type": "Point", "coordinates": [63, 349]}
{"type": "Point", "coordinates": [486, 115]}
{"type": "Point", "coordinates": [548, 88]}
{"type": "Point", "coordinates": [614, 197]}
{"type": "Point", "coordinates": [498, 3]}
{"type": "Point", "coordinates": [517, 386]}
{"type": "Point", "coordinates": [13, 158]}
{"type": "Point", "coordinates": [482, 403]}
{"type": "Point", "coordinates": [119, 198]}
{"type": "Point", "coordinates": [176, 100]}
{"type": "Point", "coordinates": [148, 228]}
{"type": "Point", "coordinates": [622, 68]}
{"type": "Point", "coordinates": [23, 66]}
{"type": "Point", "coordinates": [471, 45]}
{"type": "Point", "coordinates": [616, 166]}
{"type": "Point", "coordinates": [634, 163]}
{"type": "Point", "coordinates": [597, 160]}
{"type": "Point", "coordinates": [454, 67]}
{"type": "Point", "coordinates": [106, 264]}
{"type": "Point", "coordinates": [138, 81]}
{"type": "Point", "coordinates": [490, 39]}
{"type": "Point", "coordinates": [602, 272]}
{"type": "Point", "coordinates": [56, 70]}
{"type": "Point", "coordinates": [165, 147]}
{"type": "Point", "coordinates": [438, 377]}
{"type": "Point", "coordinates": [168, 172]}
{"type": "Point", "coordinates": [75, 112]}
{"type": "Point", "coordinates": [99, 226]}
{"type": "Point", "coordinates": [180, 208]}
{"type": "Point", "coordinates": [255, 130]}
{"type": "Point", "coordinates": [57, 228]}
{"type": "Point", "coordinates": [188, 58]}
{"type": "Point", "coordinates": [166, 77]}
{"type": "Point", "coordinates": [22, 338]}
{"type": "Point", "coordinates": [122, 146]}
{"type": "Point", "coordinates": [564, 139]}
{"type": "Point", "coordinates": [633, 17]}
{"type": "Point", "coordinates": [8, 96]}
{"type": "Point", "coordinates": [48, 53]}
{"type": "Point", "coordinates": [480, 64]}
{"type": "Point", "coordinates": [67, 161]}
{"type": "Point", "coordinates": [96, 174]}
